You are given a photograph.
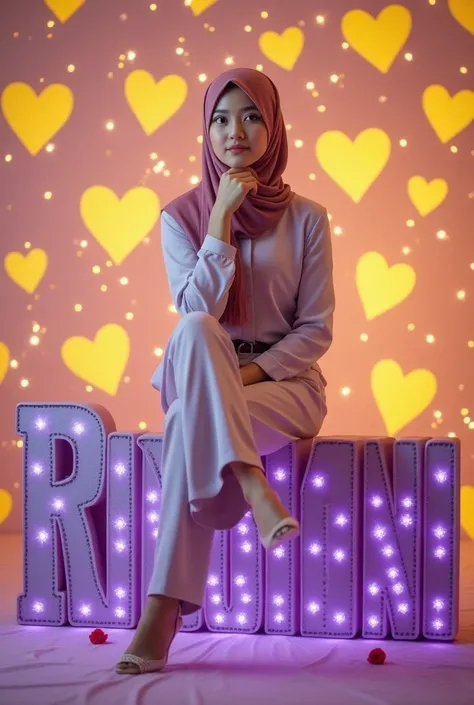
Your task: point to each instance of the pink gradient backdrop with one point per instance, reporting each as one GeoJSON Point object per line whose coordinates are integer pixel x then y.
{"type": "Point", "coordinates": [86, 154]}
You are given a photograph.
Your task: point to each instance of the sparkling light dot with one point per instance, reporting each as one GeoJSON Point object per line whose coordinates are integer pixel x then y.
{"type": "Point", "coordinates": [78, 308]}
{"type": "Point", "coordinates": [25, 383]}
{"type": "Point", "coordinates": [373, 621]}
{"type": "Point", "coordinates": [240, 580]}
{"type": "Point", "coordinates": [373, 589]}
{"type": "Point", "coordinates": [48, 195]}
{"type": "Point", "coordinates": [430, 338]}
{"type": "Point", "coordinates": [379, 532]}
{"type": "Point", "coordinates": [408, 56]}
{"type": "Point", "coordinates": [403, 143]}
{"type": "Point", "coordinates": [320, 19]}
{"type": "Point", "coordinates": [109, 125]}
{"type": "Point", "coordinates": [376, 501]}
{"type": "Point", "coordinates": [345, 391]}
{"type": "Point", "coordinates": [313, 607]}
{"type": "Point", "coordinates": [398, 588]}
{"type": "Point", "coordinates": [212, 581]}
{"type": "Point", "coordinates": [403, 608]}
{"type": "Point", "coordinates": [315, 549]}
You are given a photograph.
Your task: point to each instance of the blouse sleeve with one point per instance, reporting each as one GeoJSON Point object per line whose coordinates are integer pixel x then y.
{"type": "Point", "coordinates": [311, 333]}
{"type": "Point", "coordinates": [198, 281]}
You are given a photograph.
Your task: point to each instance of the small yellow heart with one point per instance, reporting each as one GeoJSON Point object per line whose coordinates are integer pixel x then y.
{"type": "Point", "coordinates": [100, 362]}
{"type": "Point", "coordinates": [354, 166]}
{"type": "Point", "coordinates": [283, 49]}
{"type": "Point", "coordinates": [427, 196]}
{"type": "Point", "coordinates": [35, 119]}
{"type": "Point", "coordinates": [463, 12]}
{"type": "Point", "coordinates": [64, 9]}
{"type": "Point", "coordinates": [6, 504]}
{"type": "Point", "coordinates": [448, 115]}
{"type": "Point", "coordinates": [198, 6]}
{"type": "Point", "coordinates": [26, 270]}
{"type": "Point", "coordinates": [401, 398]}
{"type": "Point", "coordinates": [382, 287]}
{"type": "Point", "coordinates": [467, 510]}
{"type": "Point", "coordinates": [4, 360]}
{"type": "Point", "coordinates": [119, 225]}
{"type": "Point", "coordinates": [153, 103]}
{"type": "Point", "coordinates": [380, 39]}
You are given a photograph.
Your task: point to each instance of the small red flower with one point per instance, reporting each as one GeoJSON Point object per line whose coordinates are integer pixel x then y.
{"type": "Point", "coordinates": [377, 657]}
{"type": "Point", "coordinates": [98, 637]}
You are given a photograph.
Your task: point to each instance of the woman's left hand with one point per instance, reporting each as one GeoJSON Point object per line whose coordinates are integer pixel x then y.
{"type": "Point", "coordinates": [252, 374]}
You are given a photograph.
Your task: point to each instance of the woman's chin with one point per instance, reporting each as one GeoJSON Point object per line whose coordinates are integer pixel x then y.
{"type": "Point", "coordinates": [234, 160]}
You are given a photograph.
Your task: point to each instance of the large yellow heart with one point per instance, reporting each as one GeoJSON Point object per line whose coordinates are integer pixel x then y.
{"type": "Point", "coordinates": [198, 6]}
{"type": "Point", "coordinates": [401, 398]}
{"type": "Point", "coordinates": [467, 510]}
{"type": "Point", "coordinates": [100, 362]}
{"type": "Point", "coordinates": [382, 287]}
{"type": "Point", "coordinates": [6, 504]}
{"type": "Point", "coordinates": [448, 115]}
{"type": "Point", "coordinates": [4, 360]}
{"type": "Point", "coordinates": [380, 39]}
{"type": "Point", "coordinates": [463, 12]}
{"type": "Point", "coordinates": [427, 196]}
{"type": "Point", "coordinates": [35, 119]}
{"type": "Point", "coordinates": [64, 9]}
{"type": "Point", "coordinates": [26, 270]}
{"type": "Point", "coordinates": [354, 166]}
{"type": "Point", "coordinates": [153, 103]}
{"type": "Point", "coordinates": [283, 49]}
{"type": "Point", "coordinates": [119, 225]}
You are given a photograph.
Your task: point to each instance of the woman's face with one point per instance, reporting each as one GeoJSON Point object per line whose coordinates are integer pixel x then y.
{"type": "Point", "coordinates": [237, 122]}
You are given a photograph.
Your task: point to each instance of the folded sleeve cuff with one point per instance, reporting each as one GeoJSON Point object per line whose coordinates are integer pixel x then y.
{"type": "Point", "coordinates": [271, 366]}
{"type": "Point", "coordinates": [217, 247]}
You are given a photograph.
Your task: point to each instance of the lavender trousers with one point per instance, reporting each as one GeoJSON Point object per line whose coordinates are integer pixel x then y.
{"type": "Point", "coordinates": [213, 420]}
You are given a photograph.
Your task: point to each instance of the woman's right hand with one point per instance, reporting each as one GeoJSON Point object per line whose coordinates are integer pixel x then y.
{"type": "Point", "coordinates": [234, 186]}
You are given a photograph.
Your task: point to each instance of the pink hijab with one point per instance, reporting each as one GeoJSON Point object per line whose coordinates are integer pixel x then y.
{"type": "Point", "coordinates": [259, 212]}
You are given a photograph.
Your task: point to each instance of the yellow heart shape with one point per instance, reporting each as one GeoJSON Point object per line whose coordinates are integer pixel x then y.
{"type": "Point", "coordinates": [64, 9]}
{"type": "Point", "coordinates": [467, 510]}
{"type": "Point", "coordinates": [35, 119]}
{"type": "Point", "coordinates": [198, 6]}
{"type": "Point", "coordinates": [463, 12]}
{"type": "Point", "coordinates": [380, 39]}
{"type": "Point", "coordinates": [382, 287]}
{"type": "Point", "coordinates": [4, 360]}
{"type": "Point", "coordinates": [401, 398]}
{"type": "Point", "coordinates": [6, 504]}
{"type": "Point", "coordinates": [26, 270]}
{"type": "Point", "coordinates": [354, 166]}
{"type": "Point", "coordinates": [119, 225]}
{"type": "Point", "coordinates": [154, 103]}
{"type": "Point", "coordinates": [100, 362]}
{"type": "Point", "coordinates": [427, 196]}
{"type": "Point", "coordinates": [283, 49]}
{"type": "Point", "coordinates": [448, 115]}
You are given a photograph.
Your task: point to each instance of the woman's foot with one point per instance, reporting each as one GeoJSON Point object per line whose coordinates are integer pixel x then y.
{"type": "Point", "coordinates": [268, 511]}
{"type": "Point", "coordinates": [154, 633]}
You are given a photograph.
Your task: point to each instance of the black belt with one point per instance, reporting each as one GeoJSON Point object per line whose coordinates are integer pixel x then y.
{"type": "Point", "coordinates": [241, 346]}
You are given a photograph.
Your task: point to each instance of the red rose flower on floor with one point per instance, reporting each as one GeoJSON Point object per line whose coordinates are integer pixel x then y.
{"type": "Point", "coordinates": [98, 637]}
{"type": "Point", "coordinates": [377, 657]}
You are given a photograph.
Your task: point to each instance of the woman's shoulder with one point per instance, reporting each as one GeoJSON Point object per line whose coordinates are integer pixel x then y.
{"type": "Point", "coordinates": [307, 209]}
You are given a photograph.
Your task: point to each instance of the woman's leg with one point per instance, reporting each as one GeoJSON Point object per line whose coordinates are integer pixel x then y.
{"type": "Point", "coordinates": [181, 558]}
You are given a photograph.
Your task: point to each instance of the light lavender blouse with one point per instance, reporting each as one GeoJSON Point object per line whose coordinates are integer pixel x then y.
{"type": "Point", "coordinates": [288, 279]}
